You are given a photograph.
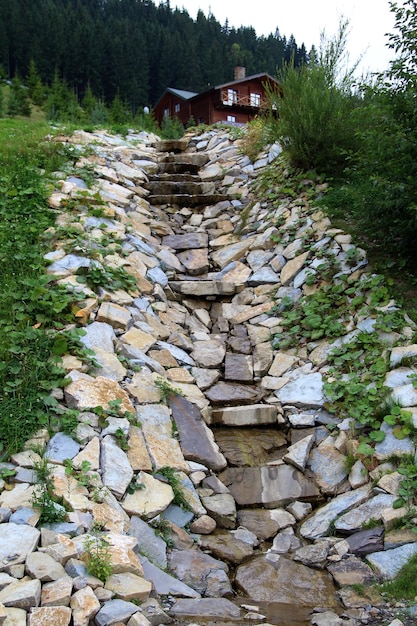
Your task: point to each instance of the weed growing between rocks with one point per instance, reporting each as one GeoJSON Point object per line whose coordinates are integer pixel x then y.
{"type": "Point", "coordinates": [171, 477]}
{"type": "Point", "coordinates": [166, 389]}
{"type": "Point", "coordinates": [96, 553]}
{"type": "Point", "coordinates": [50, 508]}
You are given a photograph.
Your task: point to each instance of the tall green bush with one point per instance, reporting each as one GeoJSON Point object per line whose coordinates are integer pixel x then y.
{"type": "Point", "coordinates": [312, 116]}
{"type": "Point", "coordinates": [379, 194]}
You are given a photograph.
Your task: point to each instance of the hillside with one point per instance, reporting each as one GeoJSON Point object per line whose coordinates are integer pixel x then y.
{"type": "Point", "coordinates": [222, 429]}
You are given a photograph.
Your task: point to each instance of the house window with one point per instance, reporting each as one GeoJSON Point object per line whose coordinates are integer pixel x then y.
{"type": "Point", "coordinates": [231, 118]}
{"type": "Point", "coordinates": [177, 107]}
{"type": "Point", "coordinates": [230, 97]}
{"type": "Point", "coordinates": [255, 99]}
{"type": "Point", "coordinates": [166, 112]}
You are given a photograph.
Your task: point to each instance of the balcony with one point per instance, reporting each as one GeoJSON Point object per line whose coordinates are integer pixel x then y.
{"type": "Point", "coordinates": [253, 101]}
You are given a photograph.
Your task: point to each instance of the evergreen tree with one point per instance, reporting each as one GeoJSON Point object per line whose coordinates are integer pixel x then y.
{"type": "Point", "coordinates": [34, 84]}
{"type": "Point", "coordinates": [19, 102]}
{"type": "Point", "coordinates": [118, 110]}
{"type": "Point", "coordinates": [99, 115]}
{"type": "Point", "coordinates": [89, 102]}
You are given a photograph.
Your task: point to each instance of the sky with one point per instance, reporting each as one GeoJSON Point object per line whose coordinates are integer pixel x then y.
{"type": "Point", "coordinates": [369, 21]}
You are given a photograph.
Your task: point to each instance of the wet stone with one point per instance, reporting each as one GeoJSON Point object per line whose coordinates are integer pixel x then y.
{"type": "Point", "coordinates": [195, 261]}
{"type": "Point", "coordinates": [286, 581]}
{"type": "Point", "coordinates": [352, 571]}
{"type": "Point", "coordinates": [250, 446]}
{"type": "Point", "coordinates": [208, 608]}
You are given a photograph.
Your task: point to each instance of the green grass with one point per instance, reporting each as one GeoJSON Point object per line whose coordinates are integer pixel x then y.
{"type": "Point", "coordinates": [404, 585]}
{"type": "Point", "coordinates": [29, 365]}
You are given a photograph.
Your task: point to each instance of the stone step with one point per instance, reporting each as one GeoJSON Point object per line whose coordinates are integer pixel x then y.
{"type": "Point", "coordinates": [185, 200]}
{"type": "Point", "coordinates": [198, 288]}
{"type": "Point", "coordinates": [175, 187]}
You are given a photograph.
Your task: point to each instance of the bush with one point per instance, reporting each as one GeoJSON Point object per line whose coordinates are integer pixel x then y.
{"type": "Point", "coordinates": [313, 119]}
{"type": "Point", "coordinates": [171, 128]}
{"type": "Point", "coordinates": [379, 195]}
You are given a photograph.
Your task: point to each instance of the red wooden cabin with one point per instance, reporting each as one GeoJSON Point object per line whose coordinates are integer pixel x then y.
{"type": "Point", "coordinates": [237, 102]}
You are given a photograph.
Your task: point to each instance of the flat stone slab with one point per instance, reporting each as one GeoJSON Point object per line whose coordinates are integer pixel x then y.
{"type": "Point", "coordinates": [196, 439]}
{"type": "Point", "coordinates": [285, 581]}
{"type": "Point", "coordinates": [238, 367]}
{"type": "Point", "coordinates": [305, 390]}
{"type": "Point", "coordinates": [232, 394]}
{"type": "Point", "coordinates": [203, 287]}
{"type": "Point", "coordinates": [389, 562]}
{"type": "Point", "coordinates": [202, 572]}
{"type": "Point", "coordinates": [270, 486]}
{"type": "Point", "coordinates": [165, 584]}
{"type": "Point", "coordinates": [319, 523]}
{"type": "Point", "coordinates": [371, 509]}
{"type": "Point", "coordinates": [208, 353]}
{"type": "Point", "coordinates": [253, 415]}
{"type": "Point", "coordinates": [208, 608]}
{"type": "Point", "coordinates": [189, 241]}
{"type": "Point", "coordinates": [250, 446]}
{"type": "Point", "coordinates": [16, 542]}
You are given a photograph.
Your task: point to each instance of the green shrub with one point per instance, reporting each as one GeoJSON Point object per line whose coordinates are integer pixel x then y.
{"type": "Point", "coordinates": [313, 119]}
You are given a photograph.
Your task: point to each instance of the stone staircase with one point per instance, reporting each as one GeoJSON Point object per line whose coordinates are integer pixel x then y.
{"type": "Point", "coordinates": [273, 526]}
{"type": "Point", "coordinates": [177, 182]}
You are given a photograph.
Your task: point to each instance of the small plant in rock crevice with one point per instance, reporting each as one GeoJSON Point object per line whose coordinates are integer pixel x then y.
{"type": "Point", "coordinates": [96, 553]}
{"type": "Point", "coordinates": [121, 439]}
{"type": "Point", "coordinates": [162, 528]}
{"type": "Point", "coordinates": [167, 389]}
{"type": "Point", "coordinates": [44, 499]}
{"type": "Point", "coordinates": [115, 409]}
{"type": "Point", "coordinates": [171, 477]}
{"type": "Point", "coordinates": [111, 278]}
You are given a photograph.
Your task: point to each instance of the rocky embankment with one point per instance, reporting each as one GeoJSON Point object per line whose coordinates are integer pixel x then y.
{"type": "Point", "coordinates": [204, 476]}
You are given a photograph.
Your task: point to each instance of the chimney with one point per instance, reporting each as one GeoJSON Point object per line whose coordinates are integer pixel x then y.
{"type": "Point", "coordinates": [240, 72]}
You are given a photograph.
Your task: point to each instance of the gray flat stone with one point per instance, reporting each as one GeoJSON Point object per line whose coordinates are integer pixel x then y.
{"type": "Point", "coordinates": [16, 543]}
{"type": "Point", "coordinates": [196, 439]}
{"type": "Point", "coordinates": [61, 447]}
{"type": "Point", "coordinates": [319, 523]}
{"type": "Point", "coordinates": [304, 391]}
{"type": "Point", "coordinates": [99, 335]}
{"type": "Point", "coordinates": [389, 562]}
{"type": "Point", "coordinates": [213, 608]}
{"type": "Point", "coordinates": [115, 611]}
{"type": "Point", "coordinates": [165, 584]}
{"type": "Point", "coordinates": [117, 471]}
{"type": "Point", "coordinates": [372, 509]}
{"type": "Point", "coordinates": [150, 544]}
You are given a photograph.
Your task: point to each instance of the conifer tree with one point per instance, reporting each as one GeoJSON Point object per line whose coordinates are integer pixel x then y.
{"type": "Point", "coordinates": [18, 103]}
{"type": "Point", "coordinates": [34, 84]}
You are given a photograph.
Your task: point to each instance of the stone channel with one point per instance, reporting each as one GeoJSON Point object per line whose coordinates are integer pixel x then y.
{"type": "Point", "coordinates": [188, 393]}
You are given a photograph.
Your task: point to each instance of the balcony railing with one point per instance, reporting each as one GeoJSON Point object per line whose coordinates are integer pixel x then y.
{"type": "Point", "coordinates": [247, 101]}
